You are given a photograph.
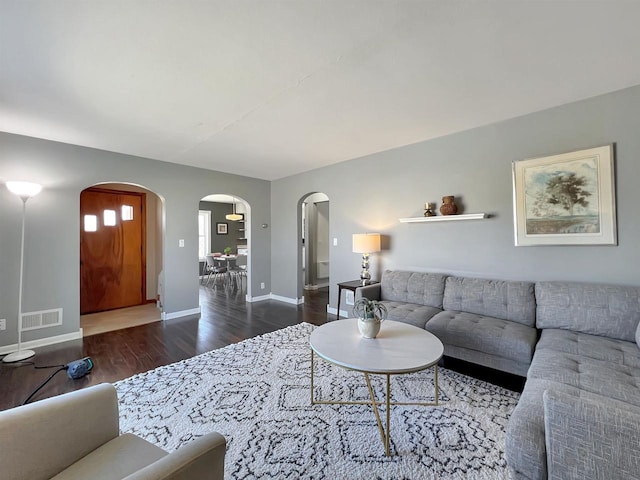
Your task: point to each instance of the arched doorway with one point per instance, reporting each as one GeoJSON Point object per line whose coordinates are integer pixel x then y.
{"type": "Point", "coordinates": [224, 227]}
{"type": "Point", "coordinates": [313, 254]}
{"type": "Point", "coordinates": [121, 256]}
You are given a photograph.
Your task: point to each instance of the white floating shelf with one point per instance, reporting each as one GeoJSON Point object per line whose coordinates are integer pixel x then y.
{"type": "Point", "coordinates": [444, 218]}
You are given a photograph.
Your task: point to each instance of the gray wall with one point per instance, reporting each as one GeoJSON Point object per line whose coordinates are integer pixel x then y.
{"type": "Point", "coordinates": [218, 212]}
{"type": "Point", "coordinates": [369, 195]}
{"type": "Point", "coordinates": [53, 225]}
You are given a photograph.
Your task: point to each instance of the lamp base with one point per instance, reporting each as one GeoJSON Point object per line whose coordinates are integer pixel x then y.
{"type": "Point", "coordinates": [18, 356]}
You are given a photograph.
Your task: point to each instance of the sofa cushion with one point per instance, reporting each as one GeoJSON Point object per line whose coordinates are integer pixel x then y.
{"type": "Point", "coordinates": [596, 376]}
{"type": "Point", "coordinates": [490, 335]}
{"type": "Point", "coordinates": [411, 313]}
{"type": "Point", "coordinates": [114, 460]}
{"type": "Point", "coordinates": [592, 346]}
{"type": "Point", "coordinates": [605, 310]}
{"type": "Point", "coordinates": [413, 287]}
{"type": "Point", "coordinates": [506, 300]}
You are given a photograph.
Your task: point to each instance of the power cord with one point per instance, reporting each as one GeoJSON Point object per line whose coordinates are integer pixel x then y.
{"type": "Point", "coordinates": [44, 383]}
{"type": "Point", "coordinates": [76, 369]}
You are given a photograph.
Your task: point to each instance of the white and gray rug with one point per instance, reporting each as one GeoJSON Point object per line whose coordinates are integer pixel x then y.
{"type": "Point", "coordinates": [256, 393]}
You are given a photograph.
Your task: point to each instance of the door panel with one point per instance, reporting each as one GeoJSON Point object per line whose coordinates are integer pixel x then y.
{"type": "Point", "coordinates": [112, 263]}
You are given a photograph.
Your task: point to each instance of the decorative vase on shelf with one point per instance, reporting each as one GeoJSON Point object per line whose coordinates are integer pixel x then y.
{"type": "Point", "coordinates": [370, 315]}
{"type": "Point", "coordinates": [449, 206]}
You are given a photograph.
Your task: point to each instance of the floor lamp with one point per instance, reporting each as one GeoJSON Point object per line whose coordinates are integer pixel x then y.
{"type": "Point", "coordinates": [25, 190]}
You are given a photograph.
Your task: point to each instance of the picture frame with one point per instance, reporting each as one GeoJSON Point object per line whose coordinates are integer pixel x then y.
{"type": "Point", "coordinates": [222, 228]}
{"type": "Point", "coordinates": [566, 199]}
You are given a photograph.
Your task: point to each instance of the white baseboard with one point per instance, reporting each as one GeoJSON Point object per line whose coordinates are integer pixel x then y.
{"type": "Point", "coordinates": [41, 342]}
{"type": "Point", "coordinates": [294, 301]}
{"type": "Point", "coordinates": [179, 314]}
{"type": "Point", "coordinates": [334, 311]}
{"type": "Point", "coordinates": [260, 298]}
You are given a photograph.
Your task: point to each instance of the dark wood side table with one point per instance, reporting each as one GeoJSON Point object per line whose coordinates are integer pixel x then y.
{"type": "Point", "coordinates": [352, 286]}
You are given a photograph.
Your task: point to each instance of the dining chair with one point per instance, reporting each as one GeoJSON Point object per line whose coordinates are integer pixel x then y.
{"type": "Point", "coordinates": [214, 269]}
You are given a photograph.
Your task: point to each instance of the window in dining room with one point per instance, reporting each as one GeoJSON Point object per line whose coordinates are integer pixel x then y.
{"type": "Point", "coordinates": [204, 233]}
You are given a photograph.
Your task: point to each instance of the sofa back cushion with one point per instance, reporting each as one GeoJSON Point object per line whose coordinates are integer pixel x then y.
{"type": "Point", "coordinates": [413, 287]}
{"type": "Point", "coordinates": [606, 310]}
{"type": "Point", "coordinates": [507, 300]}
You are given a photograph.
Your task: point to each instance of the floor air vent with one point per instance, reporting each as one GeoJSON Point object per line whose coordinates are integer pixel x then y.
{"type": "Point", "coordinates": [41, 319]}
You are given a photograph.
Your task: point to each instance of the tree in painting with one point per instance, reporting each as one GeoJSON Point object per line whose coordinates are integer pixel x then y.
{"type": "Point", "coordinates": [567, 191]}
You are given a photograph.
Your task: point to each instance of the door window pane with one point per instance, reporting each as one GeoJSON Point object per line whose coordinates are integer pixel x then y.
{"type": "Point", "coordinates": [109, 218]}
{"type": "Point", "coordinates": [127, 213]}
{"type": "Point", "coordinates": [90, 223]}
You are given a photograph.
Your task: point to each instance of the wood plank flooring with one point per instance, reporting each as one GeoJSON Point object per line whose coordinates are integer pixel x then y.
{"type": "Point", "coordinates": [226, 318]}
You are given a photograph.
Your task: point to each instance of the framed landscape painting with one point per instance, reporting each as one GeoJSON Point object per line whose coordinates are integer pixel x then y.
{"type": "Point", "coordinates": [566, 199]}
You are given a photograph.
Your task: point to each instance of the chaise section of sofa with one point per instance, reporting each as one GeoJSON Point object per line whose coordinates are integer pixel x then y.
{"type": "Point", "coordinates": [488, 322]}
{"type": "Point", "coordinates": [587, 350]}
{"type": "Point", "coordinates": [410, 297]}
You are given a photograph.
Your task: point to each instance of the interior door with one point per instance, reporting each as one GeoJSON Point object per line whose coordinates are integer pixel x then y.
{"type": "Point", "coordinates": [112, 250]}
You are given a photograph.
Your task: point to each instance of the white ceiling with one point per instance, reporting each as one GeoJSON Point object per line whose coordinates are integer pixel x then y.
{"type": "Point", "coordinates": [272, 88]}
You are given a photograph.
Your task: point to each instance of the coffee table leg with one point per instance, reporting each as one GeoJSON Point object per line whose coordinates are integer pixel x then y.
{"type": "Point", "coordinates": [386, 442]}
{"type": "Point", "coordinates": [384, 433]}
{"type": "Point", "coordinates": [312, 400]}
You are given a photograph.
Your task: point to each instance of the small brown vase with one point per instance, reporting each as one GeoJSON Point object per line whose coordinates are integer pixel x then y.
{"type": "Point", "coordinates": [448, 206]}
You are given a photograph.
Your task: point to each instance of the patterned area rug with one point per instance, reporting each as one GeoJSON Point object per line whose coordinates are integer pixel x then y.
{"type": "Point", "coordinates": [256, 393]}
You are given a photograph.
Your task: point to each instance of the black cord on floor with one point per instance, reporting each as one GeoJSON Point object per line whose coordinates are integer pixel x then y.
{"type": "Point", "coordinates": [61, 368]}
{"type": "Point", "coordinates": [24, 364]}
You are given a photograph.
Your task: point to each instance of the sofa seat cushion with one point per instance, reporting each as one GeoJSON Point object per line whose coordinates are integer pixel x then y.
{"type": "Point", "coordinates": [489, 335]}
{"type": "Point", "coordinates": [114, 460]}
{"type": "Point", "coordinates": [591, 346]}
{"type": "Point", "coordinates": [411, 313]}
{"type": "Point", "coordinates": [606, 378]}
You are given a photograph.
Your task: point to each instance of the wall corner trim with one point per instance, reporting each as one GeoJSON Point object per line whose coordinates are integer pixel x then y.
{"type": "Point", "coordinates": [41, 342]}
{"type": "Point", "coordinates": [179, 314]}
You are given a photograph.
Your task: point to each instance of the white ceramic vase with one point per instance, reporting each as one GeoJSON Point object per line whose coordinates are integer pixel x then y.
{"type": "Point", "coordinates": [369, 328]}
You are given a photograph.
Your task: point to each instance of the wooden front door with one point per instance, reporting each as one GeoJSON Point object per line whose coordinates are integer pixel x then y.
{"type": "Point", "coordinates": [112, 250]}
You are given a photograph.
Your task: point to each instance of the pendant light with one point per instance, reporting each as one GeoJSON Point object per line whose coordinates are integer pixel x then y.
{"type": "Point", "coordinates": [234, 217]}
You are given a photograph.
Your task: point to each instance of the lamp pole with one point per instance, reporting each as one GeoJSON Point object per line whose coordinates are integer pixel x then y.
{"type": "Point", "coordinates": [24, 195]}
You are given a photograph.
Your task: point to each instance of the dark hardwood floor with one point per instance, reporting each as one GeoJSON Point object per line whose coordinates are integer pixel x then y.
{"type": "Point", "coordinates": [226, 318]}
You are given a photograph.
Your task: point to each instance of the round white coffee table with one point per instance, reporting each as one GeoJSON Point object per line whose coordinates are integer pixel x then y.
{"type": "Point", "coordinates": [399, 348]}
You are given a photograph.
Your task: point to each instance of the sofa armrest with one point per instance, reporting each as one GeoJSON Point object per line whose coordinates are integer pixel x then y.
{"type": "Point", "coordinates": [203, 458]}
{"type": "Point", "coordinates": [372, 292]}
{"type": "Point", "coordinates": [40, 439]}
{"type": "Point", "coordinates": [590, 436]}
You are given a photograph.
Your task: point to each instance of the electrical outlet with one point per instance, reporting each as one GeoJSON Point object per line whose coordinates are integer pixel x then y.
{"type": "Point", "coordinates": [181, 243]}
{"type": "Point", "coordinates": [3, 323]}
{"type": "Point", "coordinates": [350, 298]}
{"type": "Point", "coordinates": [262, 285]}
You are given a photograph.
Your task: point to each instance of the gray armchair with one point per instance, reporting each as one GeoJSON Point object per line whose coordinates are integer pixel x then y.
{"type": "Point", "coordinates": [76, 436]}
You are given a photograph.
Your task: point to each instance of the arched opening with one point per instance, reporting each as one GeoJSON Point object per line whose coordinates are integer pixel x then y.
{"type": "Point", "coordinates": [313, 250]}
{"type": "Point", "coordinates": [121, 256]}
{"type": "Point", "coordinates": [224, 246]}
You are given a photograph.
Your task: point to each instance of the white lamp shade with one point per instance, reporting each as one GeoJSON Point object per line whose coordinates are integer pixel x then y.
{"type": "Point", "coordinates": [234, 217]}
{"type": "Point", "coordinates": [24, 189]}
{"type": "Point", "coordinates": [366, 242]}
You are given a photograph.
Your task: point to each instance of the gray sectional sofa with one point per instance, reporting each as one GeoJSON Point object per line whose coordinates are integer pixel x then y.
{"type": "Point", "coordinates": [576, 343]}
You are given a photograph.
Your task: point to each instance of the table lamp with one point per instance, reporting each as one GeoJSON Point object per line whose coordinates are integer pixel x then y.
{"type": "Point", "coordinates": [366, 243]}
